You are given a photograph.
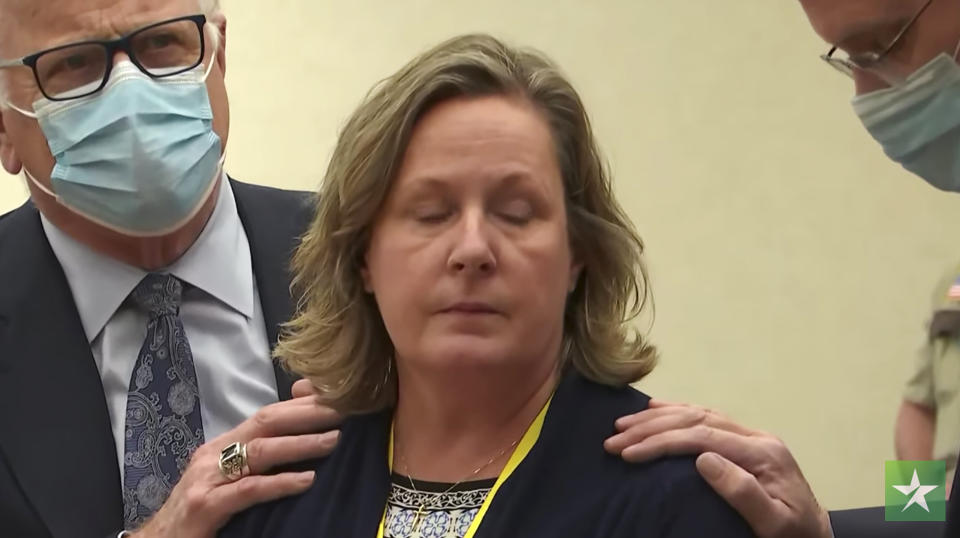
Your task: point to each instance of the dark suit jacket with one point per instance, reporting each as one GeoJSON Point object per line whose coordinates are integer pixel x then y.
{"type": "Point", "coordinates": [59, 476]}
{"type": "Point", "coordinates": [953, 508]}
{"type": "Point", "coordinates": [870, 523]}
{"type": "Point", "coordinates": [567, 486]}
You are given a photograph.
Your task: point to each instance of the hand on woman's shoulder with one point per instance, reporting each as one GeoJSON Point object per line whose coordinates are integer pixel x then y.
{"type": "Point", "coordinates": [689, 507]}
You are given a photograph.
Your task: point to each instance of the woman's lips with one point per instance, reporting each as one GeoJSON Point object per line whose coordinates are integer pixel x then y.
{"type": "Point", "coordinates": [470, 308]}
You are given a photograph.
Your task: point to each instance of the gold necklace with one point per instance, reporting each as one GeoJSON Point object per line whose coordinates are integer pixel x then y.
{"type": "Point", "coordinates": [418, 518]}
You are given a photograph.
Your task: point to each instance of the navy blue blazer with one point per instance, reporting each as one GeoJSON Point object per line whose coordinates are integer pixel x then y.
{"type": "Point", "coordinates": [567, 485]}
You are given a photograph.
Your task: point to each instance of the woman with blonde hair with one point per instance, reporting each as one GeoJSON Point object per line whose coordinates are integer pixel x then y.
{"type": "Point", "coordinates": [468, 286]}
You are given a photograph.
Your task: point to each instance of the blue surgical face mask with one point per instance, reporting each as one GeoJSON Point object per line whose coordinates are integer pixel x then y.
{"type": "Point", "coordinates": [918, 122]}
{"type": "Point", "coordinates": [140, 157]}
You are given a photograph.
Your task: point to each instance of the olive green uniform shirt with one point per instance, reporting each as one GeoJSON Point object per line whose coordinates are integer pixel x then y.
{"type": "Point", "coordinates": [935, 381]}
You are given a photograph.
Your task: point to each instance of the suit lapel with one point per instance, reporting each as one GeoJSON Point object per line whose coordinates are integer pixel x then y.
{"type": "Point", "coordinates": [50, 390]}
{"type": "Point", "coordinates": [273, 221]}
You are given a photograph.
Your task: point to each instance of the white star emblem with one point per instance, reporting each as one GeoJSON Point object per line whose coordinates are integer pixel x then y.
{"type": "Point", "coordinates": [919, 492]}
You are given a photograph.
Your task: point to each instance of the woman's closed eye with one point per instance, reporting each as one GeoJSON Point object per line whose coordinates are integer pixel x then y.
{"type": "Point", "coordinates": [516, 212]}
{"type": "Point", "coordinates": [432, 214]}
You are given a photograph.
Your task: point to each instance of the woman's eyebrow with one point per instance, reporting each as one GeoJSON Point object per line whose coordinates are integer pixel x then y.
{"type": "Point", "coordinates": [523, 182]}
{"type": "Point", "coordinates": [417, 187]}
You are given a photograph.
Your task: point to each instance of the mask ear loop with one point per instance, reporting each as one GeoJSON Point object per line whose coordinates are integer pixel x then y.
{"type": "Point", "coordinates": [43, 188]}
{"type": "Point", "coordinates": [213, 50]}
{"type": "Point", "coordinates": [27, 113]}
{"type": "Point", "coordinates": [213, 58]}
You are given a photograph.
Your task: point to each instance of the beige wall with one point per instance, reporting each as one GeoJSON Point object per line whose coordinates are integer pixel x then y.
{"type": "Point", "coordinates": [791, 262]}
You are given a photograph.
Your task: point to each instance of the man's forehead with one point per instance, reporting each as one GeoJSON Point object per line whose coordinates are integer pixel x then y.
{"type": "Point", "coordinates": [837, 21]}
{"type": "Point", "coordinates": [46, 23]}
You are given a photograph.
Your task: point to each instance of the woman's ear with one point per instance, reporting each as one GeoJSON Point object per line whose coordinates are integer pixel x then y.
{"type": "Point", "coordinates": [365, 275]}
{"type": "Point", "coordinates": [576, 268]}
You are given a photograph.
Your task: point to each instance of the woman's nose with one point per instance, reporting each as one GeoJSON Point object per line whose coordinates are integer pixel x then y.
{"type": "Point", "coordinates": [473, 252]}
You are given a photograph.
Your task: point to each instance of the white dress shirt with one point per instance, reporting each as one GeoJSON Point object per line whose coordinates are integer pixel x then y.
{"type": "Point", "coordinates": [221, 315]}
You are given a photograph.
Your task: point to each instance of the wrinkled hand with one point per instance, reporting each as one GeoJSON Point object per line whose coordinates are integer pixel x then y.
{"type": "Point", "coordinates": [281, 433]}
{"type": "Point", "coordinates": [754, 471]}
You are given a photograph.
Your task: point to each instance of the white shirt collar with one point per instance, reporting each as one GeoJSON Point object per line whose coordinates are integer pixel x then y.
{"type": "Point", "coordinates": [218, 263]}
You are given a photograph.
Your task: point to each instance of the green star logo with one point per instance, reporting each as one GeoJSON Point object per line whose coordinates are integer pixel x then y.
{"type": "Point", "coordinates": [915, 490]}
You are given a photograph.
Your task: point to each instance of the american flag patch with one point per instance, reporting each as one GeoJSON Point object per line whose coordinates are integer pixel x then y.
{"type": "Point", "coordinates": [953, 293]}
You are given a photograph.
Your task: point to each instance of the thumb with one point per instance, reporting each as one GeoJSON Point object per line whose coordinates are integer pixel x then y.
{"type": "Point", "coordinates": [739, 488]}
{"type": "Point", "coordinates": [301, 388]}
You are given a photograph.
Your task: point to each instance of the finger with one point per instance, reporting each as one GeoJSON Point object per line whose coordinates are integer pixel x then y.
{"type": "Point", "coordinates": [308, 399]}
{"type": "Point", "coordinates": [266, 453]}
{"type": "Point", "coordinates": [232, 498]}
{"type": "Point", "coordinates": [657, 421]}
{"type": "Point", "coordinates": [302, 388]}
{"type": "Point", "coordinates": [745, 450]}
{"type": "Point", "coordinates": [652, 420]}
{"type": "Point", "coordinates": [285, 418]}
{"type": "Point", "coordinates": [656, 402]}
{"type": "Point", "coordinates": [741, 490]}
{"type": "Point", "coordinates": [628, 421]}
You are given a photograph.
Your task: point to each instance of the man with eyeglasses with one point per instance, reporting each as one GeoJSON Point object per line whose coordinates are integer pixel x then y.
{"type": "Point", "coordinates": [902, 56]}
{"type": "Point", "coordinates": [141, 289]}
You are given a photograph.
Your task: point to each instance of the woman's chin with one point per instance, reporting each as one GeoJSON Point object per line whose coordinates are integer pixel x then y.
{"type": "Point", "coordinates": [467, 351]}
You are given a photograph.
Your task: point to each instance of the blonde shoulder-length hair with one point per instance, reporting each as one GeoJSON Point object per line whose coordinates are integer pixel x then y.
{"type": "Point", "coordinates": [338, 340]}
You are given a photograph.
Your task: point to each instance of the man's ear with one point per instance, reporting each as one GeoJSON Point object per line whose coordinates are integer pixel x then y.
{"type": "Point", "coordinates": [220, 22]}
{"type": "Point", "coordinates": [8, 155]}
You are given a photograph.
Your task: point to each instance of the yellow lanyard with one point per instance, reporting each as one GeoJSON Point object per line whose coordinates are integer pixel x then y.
{"type": "Point", "coordinates": [523, 448]}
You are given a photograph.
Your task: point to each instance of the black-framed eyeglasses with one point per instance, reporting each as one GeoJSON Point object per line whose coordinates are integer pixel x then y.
{"type": "Point", "coordinates": [80, 69]}
{"type": "Point", "coordinates": [870, 60]}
